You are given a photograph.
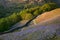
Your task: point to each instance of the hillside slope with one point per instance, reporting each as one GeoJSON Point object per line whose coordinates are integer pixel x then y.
{"type": "Point", "coordinates": [45, 30]}
{"type": "Point", "coordinates": [47, 15]}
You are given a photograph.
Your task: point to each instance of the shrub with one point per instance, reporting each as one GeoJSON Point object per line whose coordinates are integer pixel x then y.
{"type": "Point", "coordinates": [26, 16]}
{"type": "Point", "coordinates": [36, 13]}
{"type": "Point", "coordinates": [48, 7]}
{"type": "Point", "coordinates": [6, 23]}
{"type": "Point", "coordinates": [31, 10]}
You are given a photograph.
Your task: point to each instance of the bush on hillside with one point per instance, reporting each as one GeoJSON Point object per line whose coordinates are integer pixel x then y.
{"type": "Point", "coordinates": [26, 16]}
{"type": "Point", "coordinates": [6, 23]}
{"type": "Point", "coordinates": [31, 10]}
{"type": "Point", "coordinates": [36, 13]}
{"type": "Point", "coordinates": [48, 7]}
{"type": "Point", "coordinates": [37, 10]}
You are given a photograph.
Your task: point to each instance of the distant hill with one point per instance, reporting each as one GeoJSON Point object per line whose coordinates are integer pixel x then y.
{"type": "Point", "coordinates": [7, 3]}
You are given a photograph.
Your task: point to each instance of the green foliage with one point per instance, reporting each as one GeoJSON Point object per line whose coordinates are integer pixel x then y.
{"type": "Point", "coordinates": [26, 16]}
{"type": "Point", "coordinates": [9, 10]}
{"type": "Point", "coordinates": [17, 15]}
{"type": "Point", "coordinates": [37, 12]}
{"type": "Point", "coordinates": [28, 13]}
{"type": "Point", "coordinates": [48, 7]}
{"type": "Point", "coordinates": [6, 23]}
{"type": "Point", "coordinates": [31, 10]}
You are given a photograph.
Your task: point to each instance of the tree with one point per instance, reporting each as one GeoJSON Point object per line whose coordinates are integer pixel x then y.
{"type": "Point", "coordinates": [36, 13]}
{"type": "Point", "coordinates": [48, 7]}
{"type": "Point", "coordinates": [26, 16]}
{"type": "Point", "coordinates": [7, 22]}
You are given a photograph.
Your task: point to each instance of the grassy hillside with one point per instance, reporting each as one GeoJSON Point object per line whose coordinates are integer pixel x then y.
{"type": "Point", "coordinates": [16, 17]}
{"type": "Point", "coordinates": [26, 14]}
{"type": "Point", "coordinates": [47, 15]}
{"type": "Point", "coordinates": [47, 30]}
{"type": "Point", "coordinates": [41, 31]}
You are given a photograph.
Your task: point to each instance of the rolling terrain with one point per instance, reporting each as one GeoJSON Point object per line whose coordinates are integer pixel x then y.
{"type": "Point", "coordinates": [47, 29]}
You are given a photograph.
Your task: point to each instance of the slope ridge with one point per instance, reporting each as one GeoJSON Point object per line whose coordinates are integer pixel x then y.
{"type": "Point", "coordinates": [47, 15]}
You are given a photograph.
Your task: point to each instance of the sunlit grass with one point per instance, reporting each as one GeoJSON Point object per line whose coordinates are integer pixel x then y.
{"type": "Point", "coordinates": [47, 15]}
